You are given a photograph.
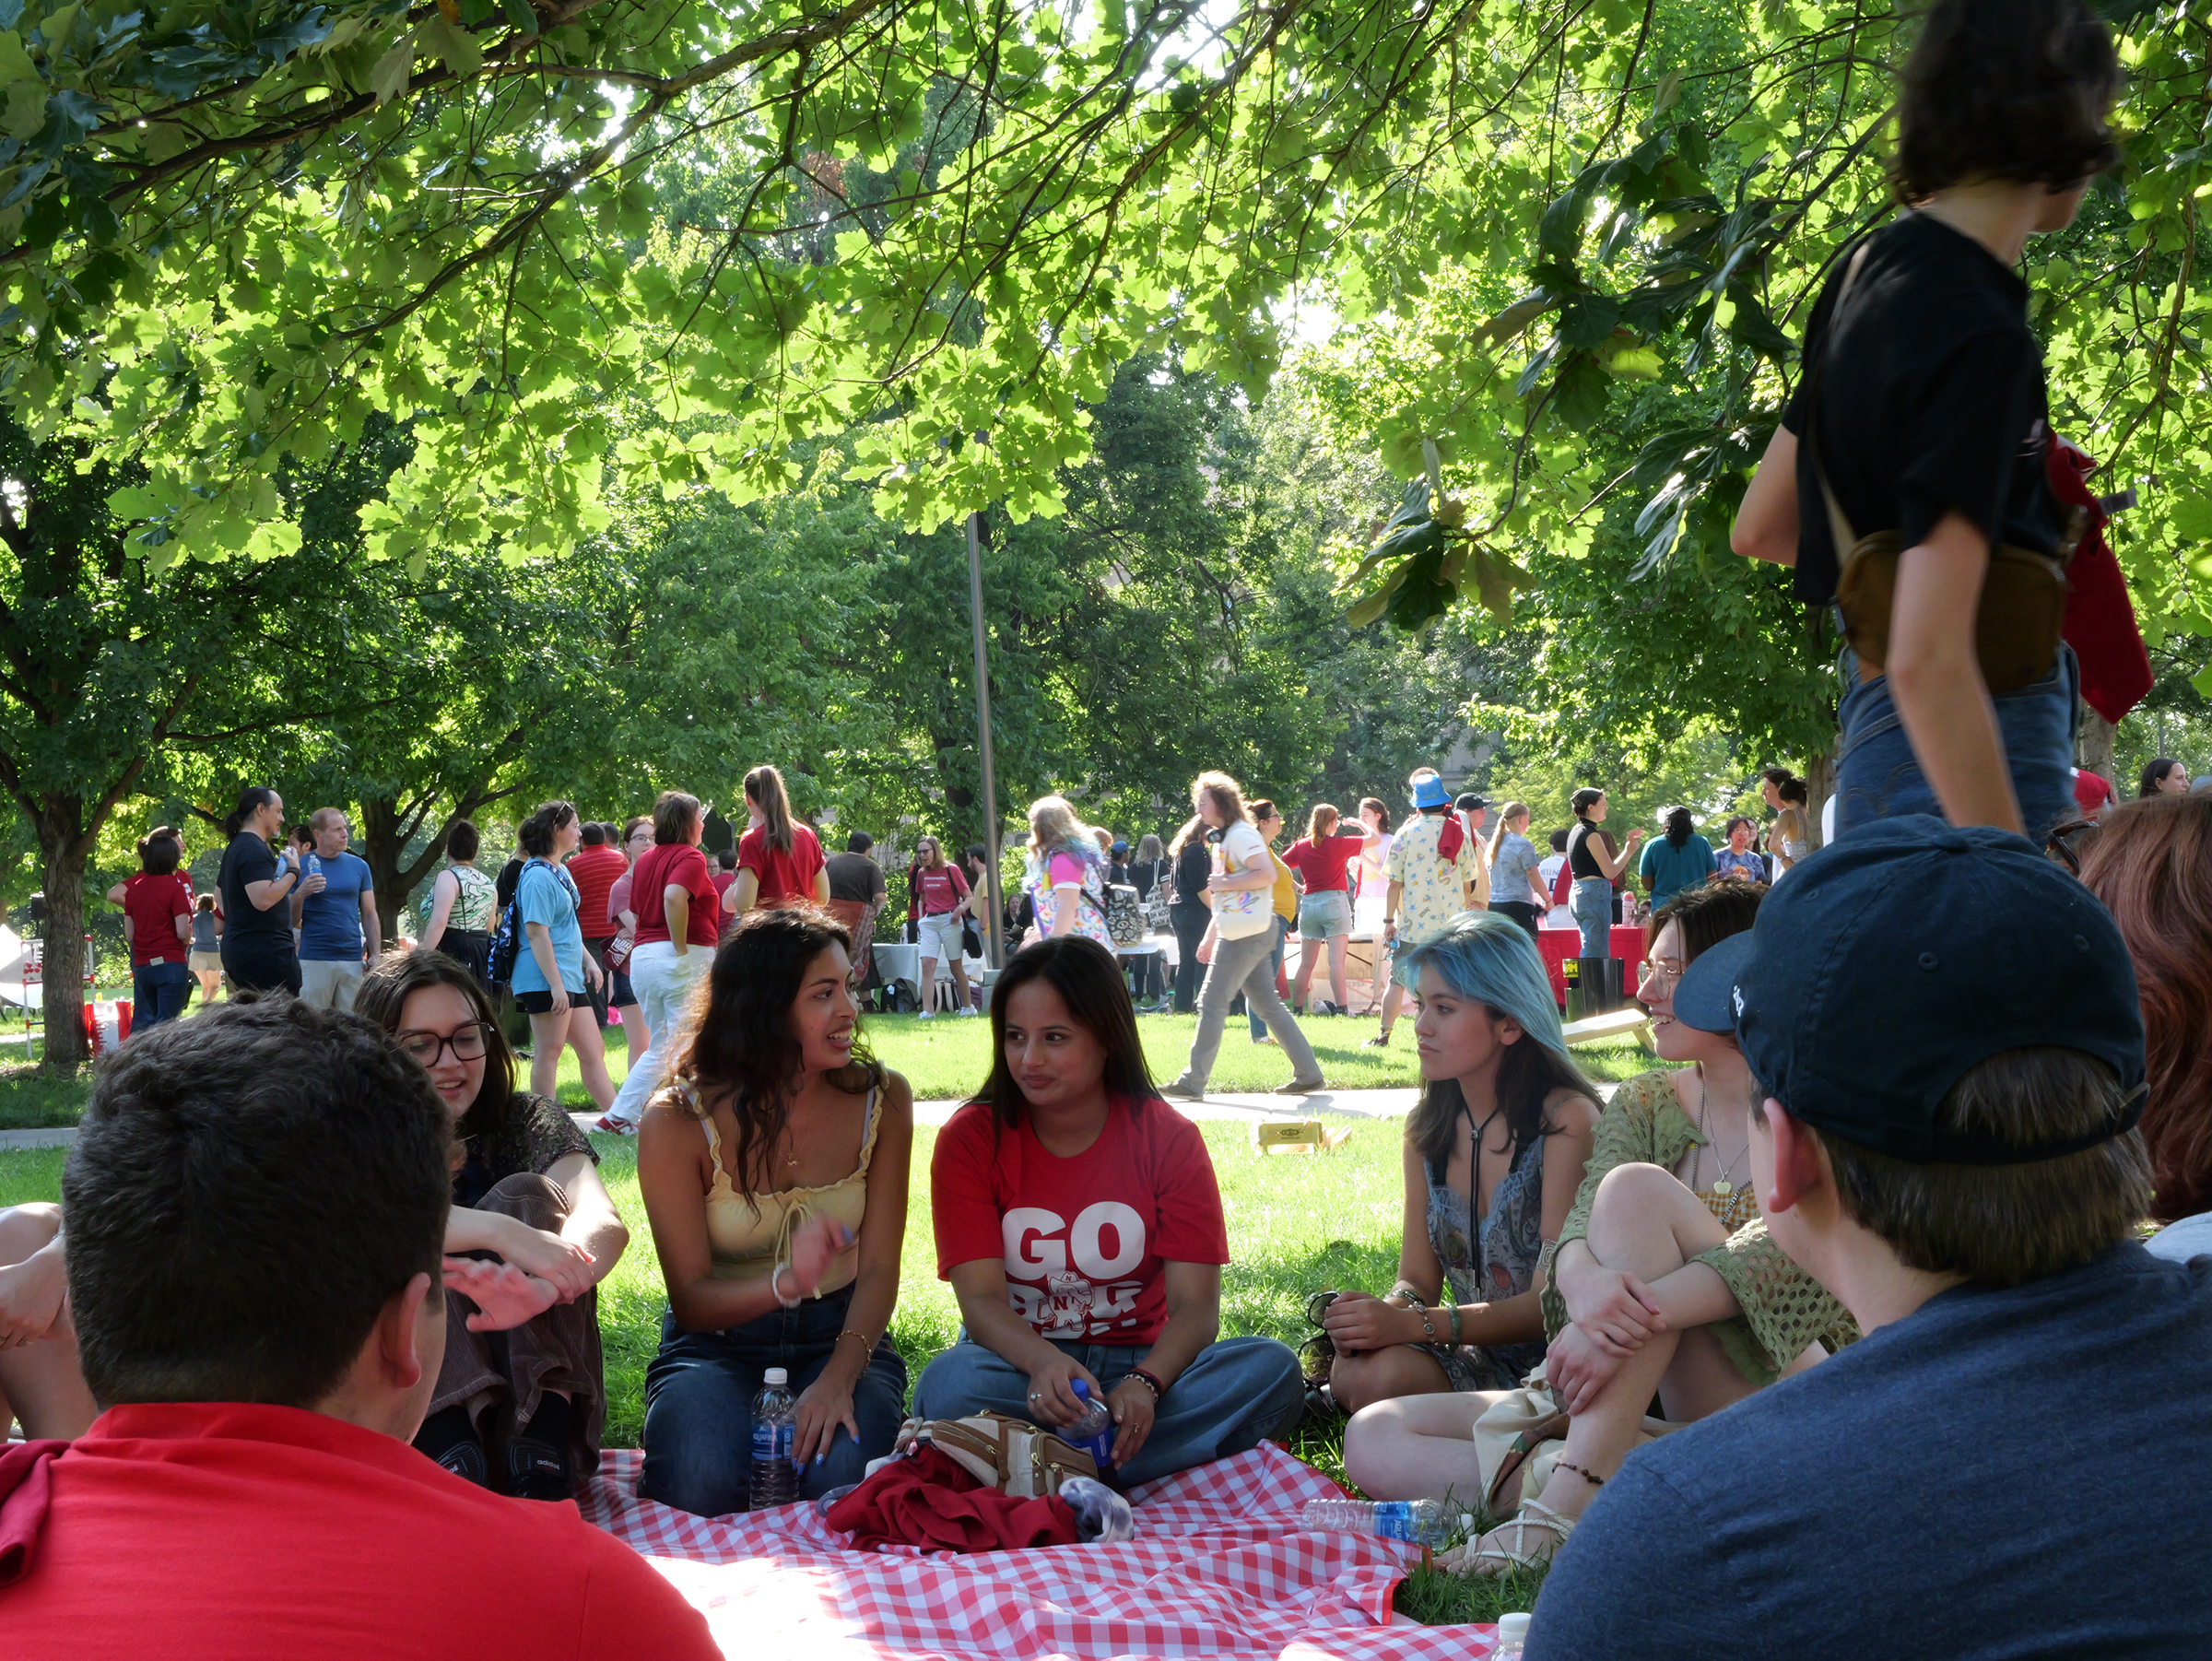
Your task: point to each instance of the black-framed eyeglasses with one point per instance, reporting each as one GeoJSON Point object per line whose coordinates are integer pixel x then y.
{"type": "Point", "coordinates": [425, 1049]}
{"type": "Point", "coordinates": [2067, 842]}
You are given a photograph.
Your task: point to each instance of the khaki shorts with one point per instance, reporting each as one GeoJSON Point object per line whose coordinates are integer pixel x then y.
{"type": "Point", "coordinates": [206, 962]}
{"type": "Point", "coordinates": [330, 983]}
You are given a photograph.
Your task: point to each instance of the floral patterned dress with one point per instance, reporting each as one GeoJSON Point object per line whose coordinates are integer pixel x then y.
{"type": "Point", "coordinates": [1510, 1243]}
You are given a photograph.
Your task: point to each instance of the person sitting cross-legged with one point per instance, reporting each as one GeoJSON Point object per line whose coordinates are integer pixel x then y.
{"type": "Point", "coordinates": [522, 1393]}
{"type": "Point", "coordinates": [1950, 1056]}
{"type": "Point", "coordinates": [1079, 1222]}
{"type": "Point", "coordinates": [256, 1211]}
{"type": "Point", "coordinates": [1493, 1155]}
{"type": "Point", "coordinates": [1665, 1283]}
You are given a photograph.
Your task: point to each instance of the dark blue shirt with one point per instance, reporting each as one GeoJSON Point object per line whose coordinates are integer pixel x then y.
{"type": "Point", "coordinates": [2003, 1473]}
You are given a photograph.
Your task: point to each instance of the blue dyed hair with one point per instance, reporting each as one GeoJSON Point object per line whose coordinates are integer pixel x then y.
{"type": "Point", "coordinates": [1485, 957]}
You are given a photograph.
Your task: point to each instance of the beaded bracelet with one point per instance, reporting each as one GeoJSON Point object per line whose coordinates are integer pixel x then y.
{"type": "Point", "coordinates": [1420, 1311]}
{"type": "Point", "coordinates": [1159, 1391]}
{"type": "Point", "coordinates": [849, 1333]}
{"type": "Point", "coordinates": [777, 1274]}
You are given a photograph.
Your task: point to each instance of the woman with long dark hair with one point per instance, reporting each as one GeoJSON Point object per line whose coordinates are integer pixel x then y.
{"type": "Point", "coordinates": [1669, 1180]}
{"type": "Point", "coordinates": [1080, 1225]}
{"type": "Point", "coordinates": [551, 968]}
{"type": "Point", "coordinates": [1907, 482]}
{"type": "Point", "coordinates": [1788, 841]}
{"type": "Point", "coordinates": [1494, 1153]}
{"type": "Point", "coordinates": [255, 882]}
{"type": "Point", "coordinates": [520, 1412]}
{"type": "Point", "coordinates": [774, 1171]}
{"type": "Point", "coordinates": [2162, 776]}
{"type": "Point", "coordinates": [779, 860]}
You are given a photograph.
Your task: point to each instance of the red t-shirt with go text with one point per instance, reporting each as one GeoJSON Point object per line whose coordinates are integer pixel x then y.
{"type": "Point", "coordinates": [785, 878]}
{"type": "Point", "coordinates": [1086, 1241]}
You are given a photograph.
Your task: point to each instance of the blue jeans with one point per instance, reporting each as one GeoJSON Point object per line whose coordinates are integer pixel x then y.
{"type": "Point", "coordinates": [1275, 967]}
{"type": "Point", "coordinates": [698, 1405]}
{"type": "Point", "coordinates": [1878, 777]}
{"type": "Point", "coordinates": [1237, 1393]}
{"type": "Point", "coordinates": [158, 993]}
{"type": "Point", "coordinates": [1591, 905]}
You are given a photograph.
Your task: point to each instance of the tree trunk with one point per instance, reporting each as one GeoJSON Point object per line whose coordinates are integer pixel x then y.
{"type": "Point", "coordinates": [64, 850]}
{"type": "Point", "coordinates": [1820, 785]}
{"type": "Point", "coordinates": [2097, 735]}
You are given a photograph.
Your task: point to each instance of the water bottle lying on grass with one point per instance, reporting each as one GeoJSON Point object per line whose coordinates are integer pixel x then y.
{"type": "Point", "coordinates": [1416, 1522]}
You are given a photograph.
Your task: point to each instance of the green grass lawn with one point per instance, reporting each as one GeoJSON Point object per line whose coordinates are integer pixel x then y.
{"type": "Point", "coordinates": [1296, 1223]}
{"type": "Point", "coordinates": [946, 1058]}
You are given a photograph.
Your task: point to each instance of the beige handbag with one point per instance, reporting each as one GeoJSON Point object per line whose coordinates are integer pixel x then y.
{"type": "Point", "coordinates": [1519, 1438]}
{"type": "Point", "coordinates": [1010, 1454]}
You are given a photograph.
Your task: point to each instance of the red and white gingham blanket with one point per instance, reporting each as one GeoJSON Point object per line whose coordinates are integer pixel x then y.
{"type": "Point", "coordinates": [1218, 1569]}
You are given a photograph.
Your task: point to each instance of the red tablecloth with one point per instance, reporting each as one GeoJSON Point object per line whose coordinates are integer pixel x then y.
{"type": "Point", "coordinates": [1560, 944]}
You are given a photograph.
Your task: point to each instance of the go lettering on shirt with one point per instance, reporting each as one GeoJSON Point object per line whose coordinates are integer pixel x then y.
{"type": "Point", "coordinates": [1062, 1281]}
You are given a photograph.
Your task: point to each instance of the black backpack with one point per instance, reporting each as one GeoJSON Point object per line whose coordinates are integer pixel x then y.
{"type": "Point", "coordinates": [507, 941]}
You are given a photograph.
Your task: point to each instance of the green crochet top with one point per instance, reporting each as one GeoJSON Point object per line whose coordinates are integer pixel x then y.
{"type": "Point", "coordinates": [1784, 1308]}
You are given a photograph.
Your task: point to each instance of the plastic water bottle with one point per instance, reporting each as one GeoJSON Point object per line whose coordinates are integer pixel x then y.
{"type": "Point", "coordinates": [775, 1475]}
{"type": "Point", "coordinates": [1513, 1638]}
{"type": "Point", "coordinates": [1094, 1432]}
{"type": "Point", "coordinates": [311, 866]}
{"type": "Point", "coordinates": [1416, 1522]}
{"type": "Point", "coordinates": [1102, 1515]}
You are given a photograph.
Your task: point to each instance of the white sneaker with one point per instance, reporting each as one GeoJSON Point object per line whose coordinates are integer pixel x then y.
{"type": "Point", "coordinates": [929, 1015]}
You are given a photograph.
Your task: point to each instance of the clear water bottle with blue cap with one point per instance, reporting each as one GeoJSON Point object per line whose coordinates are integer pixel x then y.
{"type": "Point", "coordinates": [775, 1478]}
{"type": "Point", "coordinates": [1416, 1522]}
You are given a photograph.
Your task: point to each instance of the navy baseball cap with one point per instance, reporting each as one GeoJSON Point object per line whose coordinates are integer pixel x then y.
{"type": "Point", "coordinates": [1705, 995]}
{"type": "Point", "coordinates": [1893, 961]}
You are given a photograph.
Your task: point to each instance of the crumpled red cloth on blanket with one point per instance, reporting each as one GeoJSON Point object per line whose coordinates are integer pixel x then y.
{"type": "Point", "coordinates": [929, 1500]}
{"type": "Point", "coordinates": [26, 1490]}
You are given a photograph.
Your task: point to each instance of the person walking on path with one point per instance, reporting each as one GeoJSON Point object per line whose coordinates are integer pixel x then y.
{"type": "Point", "coordinates": [1517, 890]}
{"type": "Point", "coordinates": [779, 860]}
{"type": "Point", "coordinates": [551, 971]}
{"type": "Point", "coordinates": [678, 923]}
{"type": "Point", "coordinates": [1239, 944]}
{"type": "Point", "coordinates": [1921, 419]}
{"type": "Point", "coordinates": [256, 884]}
{"type": "Point", "coordinates": [1596, 866]}
{"type": "Point", "coordinates": [334, 911]}
{"type": "Point", "coordinates": [1324, 912]}
{"type": "Point", "coordinates": [463, 904]}
{"type": "Point", "coordinates": [1681, 859]}
{"type": "Point", "coordinates": [1429, 868]}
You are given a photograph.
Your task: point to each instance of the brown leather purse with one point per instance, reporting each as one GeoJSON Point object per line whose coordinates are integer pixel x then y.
{"type": "Point", "coordinates": [2019, 622]}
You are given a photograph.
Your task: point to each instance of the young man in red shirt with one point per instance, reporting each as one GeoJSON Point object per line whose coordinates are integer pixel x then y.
{"type": "Point", "coordinates": [249, 1490]}
{"type": "Point", "coordinates": [594, 867]}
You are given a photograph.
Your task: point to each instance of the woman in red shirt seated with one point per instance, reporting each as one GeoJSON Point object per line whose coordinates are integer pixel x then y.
{"type": "Point", "coordinates": [1079, 1222]}
{"type": "Point", "coordinates": [779, 860]}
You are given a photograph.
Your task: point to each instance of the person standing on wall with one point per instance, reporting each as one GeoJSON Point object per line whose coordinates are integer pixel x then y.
{"type": "Point", "coordinates": [779, 860]}
{"type": "Point", "coordinates": [1922, 419]}
{"type": "Point", "coordinates": [1239, 945]}
{"type": "Point", "coordinates": [256, 885]}
{"type": "Point", "coordinates": [1596, 866]}
{"type": "Point", "coordinates": [334, 911]}
{"type": "Point", "coordinates": [678, 923]}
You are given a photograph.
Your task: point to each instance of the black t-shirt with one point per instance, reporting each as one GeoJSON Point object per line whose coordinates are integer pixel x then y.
{"type": "Point", "coordinates": [1145, 875]}
{"type": "Point", "coordinates": [1193, 870]}
{"type": "Point", "coordinates": [250, 859]}
{"type": "Point", "coordinates": [1932, 401]}
{"type": "Point", "coordinates": [1581, 858]}
{"type": "Point", "coordinates": [855, 877]}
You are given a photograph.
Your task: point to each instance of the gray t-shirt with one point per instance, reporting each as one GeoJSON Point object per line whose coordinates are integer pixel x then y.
{"type": "Point", "coordinates": [2003, 1473]}
{"type": "Point", "coordinates": [1510, 871]}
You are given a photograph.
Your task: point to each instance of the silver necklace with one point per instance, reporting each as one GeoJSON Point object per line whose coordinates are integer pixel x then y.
{"type": "Point", "coordinates": [1722, 1184]}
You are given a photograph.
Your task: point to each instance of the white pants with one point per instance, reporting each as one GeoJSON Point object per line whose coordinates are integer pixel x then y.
{"type": "Point", "coordinates": [940, 937]}
{"type": "Point", "coordinates": [663, 981]}
{"type": "Point", "coordinates": [330, 983]}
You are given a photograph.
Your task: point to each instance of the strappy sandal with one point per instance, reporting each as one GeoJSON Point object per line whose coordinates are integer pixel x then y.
{"type": "Point", "coordinates": [1493, 1561]}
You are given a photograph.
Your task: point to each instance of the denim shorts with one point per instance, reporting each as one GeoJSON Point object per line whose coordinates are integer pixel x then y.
{"type": "Point", "coordinates": [1325, 915]}
{"type": "Point", "coordinates": [1877, 776]}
